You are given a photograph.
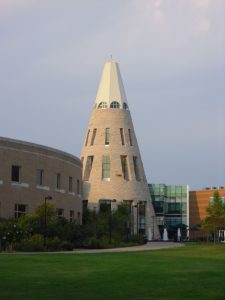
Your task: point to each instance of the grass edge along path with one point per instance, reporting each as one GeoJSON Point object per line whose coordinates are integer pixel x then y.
{"type": "Point", "coordinates": [192, 272]}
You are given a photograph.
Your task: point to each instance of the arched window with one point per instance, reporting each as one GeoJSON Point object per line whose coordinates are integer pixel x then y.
{"type": "Point", "coordinates": [102, 105]}
{"type": "Point", "coordinates": [114, 104]}
{"type": "Point", "coordinates": [125, 106]}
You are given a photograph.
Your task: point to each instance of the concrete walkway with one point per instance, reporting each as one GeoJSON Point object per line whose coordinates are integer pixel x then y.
{"type": "Point", "coordinates": [146, 247]}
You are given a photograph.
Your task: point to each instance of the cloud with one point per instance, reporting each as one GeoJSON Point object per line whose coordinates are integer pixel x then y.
{"type": "Point", "coordinates": [201, 3]}
{"type": "Point", "coordinates": [8, 8]}
{"type": "Point", "coordinates": [157, 3]}
{"type": "Point", "coordinates": [8, 5]}
{"type": "Point", "coordinates": [202, 24]}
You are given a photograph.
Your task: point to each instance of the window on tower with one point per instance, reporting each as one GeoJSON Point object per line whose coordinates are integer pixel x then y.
{"type": "Point", "coordinates": [86, 142]}
{"type": "Point", "coordinates": [93, 136]}
{"type": "Point", "coordinates": [106, 167]}
{"type": "Point", "coordinates": [102, 105]}
{"type": "Point", "coordinates": [114, 104]}
{"type": "Point", "coordinates": [130, 137]}
{"type": "Point", "coordinates": [124, 166]}
{"type": "Point", "coordinates": [107, 135]}
{"type": "Point", "coordinates": [125, 106]}
{"type": "Point", "coordinates": [136, 169]}
{"type": "Point", "coordinates": [88, 167]}
{"type": "Point", "coordinates": [122, 136]}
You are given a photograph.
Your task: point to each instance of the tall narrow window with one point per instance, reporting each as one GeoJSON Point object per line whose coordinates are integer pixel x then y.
{"type": "Point", "coordinates": [58, 180]}
{"type": "Point", "coordinates": [93, 136]}
{"type": "Point", "coordinates": [71, 216]}
{"type": "Point", "coordinates": [86, 142]}
{"type": "Point", "coordinates": [70, 184]}
{"type": "Point", "coordinates": [60, 212]}
{"type": "Point", "coordinates": [136, 169]}
{"type": "Point", "coordinates": [105, 167]}
{"type": "Point", "coordinates": [78, 218]}
{"type": "Point", "coordinates": [130, 137]}
{"type": "Point", "coordinates": [20, 210]}
{"type": "Point", "coordinates": [107, 136]}
{"type": "Point", "coordinates": [122, 136]}
{"type": "Point", "coordinates": [124, 167]}
{"type": "Point", "coordinates": [88, 167]}
{"type": "Point", "coordinates": [40, 177]}
{"type": "Point", "coordinates": [15, 173]}
{"type": "Point", "coordinates": [78, 186]}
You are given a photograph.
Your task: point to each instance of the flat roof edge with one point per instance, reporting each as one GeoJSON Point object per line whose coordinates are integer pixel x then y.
{"type": "Point", "coordinates": [25, 143]}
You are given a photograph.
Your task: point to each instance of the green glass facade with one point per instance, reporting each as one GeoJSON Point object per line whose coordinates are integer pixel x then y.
{"type": "Point", "coordinates": [171, 204]}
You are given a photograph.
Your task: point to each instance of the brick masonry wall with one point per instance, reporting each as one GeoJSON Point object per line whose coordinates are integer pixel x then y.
{"type": "Point", "coordinates": [117, 187]}
{"type": "Point", "coordinates": [31, 157]}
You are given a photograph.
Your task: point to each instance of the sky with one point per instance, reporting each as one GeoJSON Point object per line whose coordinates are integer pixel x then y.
{"type": "Point", "coordinates": [171, 55]}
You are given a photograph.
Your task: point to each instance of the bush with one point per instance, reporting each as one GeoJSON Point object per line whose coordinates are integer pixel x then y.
{"type": "Point", "coordinates": [139, 239]}
{"type": "Point", "coordinates": [66, 246]}
{"type": "Point", "coordinates": [94, 243]}
{"type": "Point", "coordinates": [34, 243]}
{"type": "Point", "coordinates": [53, 244]}
{"type": "Point", "coordinates": [102, 243]}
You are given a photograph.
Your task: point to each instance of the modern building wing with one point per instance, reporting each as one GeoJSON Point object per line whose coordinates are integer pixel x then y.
{"type": "Point", "coordinates": [112, 165]}
{"type": "Point", "coordinates": [31, 172]}
{"type": "Point", "coordinates": [171, 204]}
{"type": "Point", "coordinates": [199, 201]}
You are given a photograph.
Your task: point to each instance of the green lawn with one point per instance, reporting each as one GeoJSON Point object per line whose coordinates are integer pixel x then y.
{"type": "Point", "coordinates": [192, 272]}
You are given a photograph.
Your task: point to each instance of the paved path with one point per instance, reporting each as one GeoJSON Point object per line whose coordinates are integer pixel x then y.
{"type": "Point", "coordinates": [146, 247]}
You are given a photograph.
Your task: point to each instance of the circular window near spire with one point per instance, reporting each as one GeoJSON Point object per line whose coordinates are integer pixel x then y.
{"type": "Point", "coordinates": [114, 104]}
{"type": "Point", "coordinates": [125, 106]}
{"type": "Point", "coordinates": [102, 105]}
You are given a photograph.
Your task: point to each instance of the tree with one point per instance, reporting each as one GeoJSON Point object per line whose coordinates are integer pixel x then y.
{"type": "Point", "coordinates": [215, 219]}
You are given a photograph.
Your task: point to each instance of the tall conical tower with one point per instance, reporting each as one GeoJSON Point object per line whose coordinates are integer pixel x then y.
{"type": "Point", "coordinates": [112, 166]}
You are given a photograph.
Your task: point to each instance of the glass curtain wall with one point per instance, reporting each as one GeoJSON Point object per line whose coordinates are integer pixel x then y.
{"type": "Point", "coordinates": [170, 204]}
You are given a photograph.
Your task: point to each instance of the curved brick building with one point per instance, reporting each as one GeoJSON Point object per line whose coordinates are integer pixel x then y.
{"type": "Point", "coordinates": [112, 165]}
{"type": "Point", "coordinates": [31, 172]}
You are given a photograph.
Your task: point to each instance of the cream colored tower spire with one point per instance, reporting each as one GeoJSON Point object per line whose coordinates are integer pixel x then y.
{"type": "Point", "coordinates": [112, 166]}
{"type": "Point", "coordinates": [111, 85]}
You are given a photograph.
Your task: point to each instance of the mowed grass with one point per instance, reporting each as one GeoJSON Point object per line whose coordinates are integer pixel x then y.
{"type": "Point", "coordinates": [192, 272]}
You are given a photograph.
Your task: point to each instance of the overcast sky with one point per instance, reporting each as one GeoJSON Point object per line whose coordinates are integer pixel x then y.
{"type": "Point", "coordinates": [172, 59]}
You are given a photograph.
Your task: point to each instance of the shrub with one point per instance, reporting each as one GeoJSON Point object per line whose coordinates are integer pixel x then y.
{"type": "Point", "coordinates": [101, 243]}
{"type": "Point", "coordinates": [139, 239]}
{"type": "Point", "coordinates": [34, 243]}
{"type": "Point", "coordinates": [53, 244]}
{"type": "Point", "coordinates": [66, 246]}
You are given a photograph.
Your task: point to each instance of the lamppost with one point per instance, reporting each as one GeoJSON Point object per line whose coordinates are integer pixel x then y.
{"type": "Point", "coordinates": [45, 219]}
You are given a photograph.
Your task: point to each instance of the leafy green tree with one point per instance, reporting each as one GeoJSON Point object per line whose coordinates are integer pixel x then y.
{"type": "Point", "coordinates": [121, 223]}
{"type": "Point", "coordinates": [215, 219]}
{"type": "Point", "coordinates": [111, 226]}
